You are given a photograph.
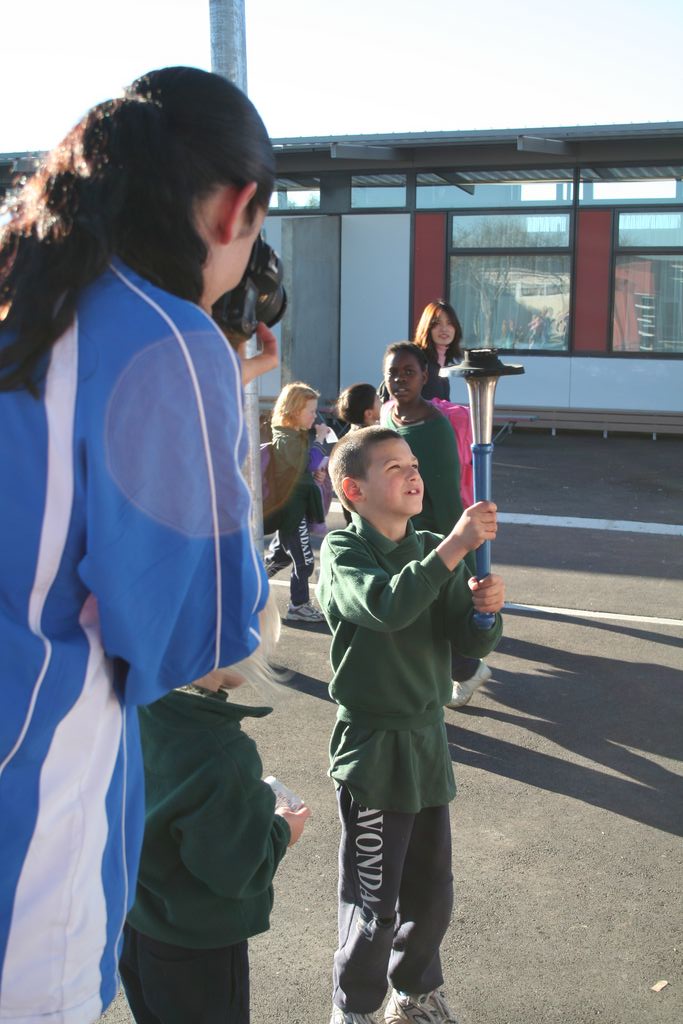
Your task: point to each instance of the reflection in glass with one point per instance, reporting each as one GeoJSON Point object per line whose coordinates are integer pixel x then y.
{"type": "Point", "coordinates": [630, 185]}
{"type": "Point", "coordinates": [295, 199]}
{"type": "Point", "coordinates": [648, 304]}
{"type": "Point", "coordinates": [642, 230]}
{"type": "Point", "coordinates": [519, 301]}
{"type": "Point", "coordinates": [510, 231]}
{"type": "Point", "coordinates": [462, 190]}
{"type": "Point", "coordinates": [376, 191]}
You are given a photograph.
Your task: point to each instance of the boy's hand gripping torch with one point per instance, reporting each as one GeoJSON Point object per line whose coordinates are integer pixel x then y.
{"type": "Point", "coordinates": [481, 369]}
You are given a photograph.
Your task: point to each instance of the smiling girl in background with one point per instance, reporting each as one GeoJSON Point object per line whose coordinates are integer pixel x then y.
{"type": "Point", "coordinates": [439, 334]}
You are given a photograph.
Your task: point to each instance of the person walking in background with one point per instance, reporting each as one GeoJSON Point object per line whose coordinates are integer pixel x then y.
{"type": "Point", "coordinates": [125, 520]}
{"type": "Point", "coordinates": [293, 417]}
{"type": "Point", "coordinates": [439, 334]}
{"type": "Point", "coordinates": [431, 439]}
{"type": "Point", "coordinates": [214, 837]}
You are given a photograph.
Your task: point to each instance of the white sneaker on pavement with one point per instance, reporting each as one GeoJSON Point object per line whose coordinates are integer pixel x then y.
{"type": "Point", "coordinates": [339, 1017]}
{"type": "Point", "coordinates": [462, 692]}
{"type": "Point", "coordinates": [430, 1008]}
{"type": "Point", "coordinates": [303, 613]}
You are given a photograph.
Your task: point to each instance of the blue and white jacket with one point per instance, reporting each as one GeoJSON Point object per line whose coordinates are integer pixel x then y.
{"type": "Point", "coordinates": [126, 569]}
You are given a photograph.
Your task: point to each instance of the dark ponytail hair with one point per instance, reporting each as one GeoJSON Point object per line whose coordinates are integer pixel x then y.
{"type": "Point", "coordinates": [124, 182]}
{"type": "Point", "coordinates": [354, 402]}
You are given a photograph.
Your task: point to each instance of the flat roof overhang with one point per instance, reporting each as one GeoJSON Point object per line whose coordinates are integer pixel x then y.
{"type": "Point", "coordinates": [508, 149]}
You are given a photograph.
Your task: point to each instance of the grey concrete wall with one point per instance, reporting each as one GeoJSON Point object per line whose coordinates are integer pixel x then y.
{"type": "Point", "coordinates": [310, 250]}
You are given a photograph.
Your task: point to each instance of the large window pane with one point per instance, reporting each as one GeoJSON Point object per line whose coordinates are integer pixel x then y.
{"type": "Point", "coordinates": [375, 191]}
{"type": "Point", "coordinates": [642, 230]}
{"type": "Point", "coordinates": [290, 194]}
{"type": "Point", "coordinates": [519, 301]}
{"type": "Point", "coordinates": [623, 186]}
{"type": "Point", "coordinates": [648, 304]}
{"type": "Point", "coordinates": [510, 231]}
{"type": "Point", "coordinates": [463, 190]}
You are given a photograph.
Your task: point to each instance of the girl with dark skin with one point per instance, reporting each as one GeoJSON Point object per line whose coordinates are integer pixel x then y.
{"type": "Point", "coordinates": [431, 439]}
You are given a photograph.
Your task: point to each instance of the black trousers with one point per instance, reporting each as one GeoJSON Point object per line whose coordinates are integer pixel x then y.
{"type": "Point", "coordinates": [294, 548]}
{"type": "Point", "coordinates": [167, 984]}
{"type": "Point", "coordinates": [395, 902]}
{"type": "Point", "coordinates": [462, 667]}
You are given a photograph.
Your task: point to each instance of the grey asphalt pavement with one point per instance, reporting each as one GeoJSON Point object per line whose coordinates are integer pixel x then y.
{"type": "Point", "coordinates": [568, 821]}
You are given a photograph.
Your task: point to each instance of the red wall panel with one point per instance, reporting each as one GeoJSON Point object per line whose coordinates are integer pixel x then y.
{"type": "Point", "coordinates": [592, 286]}
{"type": "Point", "coordinates": [429, 261]}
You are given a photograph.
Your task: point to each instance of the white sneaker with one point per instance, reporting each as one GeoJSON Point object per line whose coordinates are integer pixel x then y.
{"type": "Point", "coordinates": [430, 1008]}
{"type": "Point", "coordinates": [339, 1017]}
{"type": "Point", "coordinates": [462, 692]}
{"type": "Point", "coordinates": [304, 613]}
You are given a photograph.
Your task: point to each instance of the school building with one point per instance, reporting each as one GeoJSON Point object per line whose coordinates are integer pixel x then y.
{"type": "Point", "coordinates": [561, 246]}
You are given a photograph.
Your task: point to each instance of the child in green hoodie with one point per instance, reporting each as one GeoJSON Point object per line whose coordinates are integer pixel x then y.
{"type": "Point", "coordinates": [395, 599]}
{"type": "Point", "coordinates": [293, 417]}
{"type": "Point", "coordinates": [214, 837]}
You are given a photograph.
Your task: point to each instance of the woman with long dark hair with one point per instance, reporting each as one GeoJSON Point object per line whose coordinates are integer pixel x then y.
{"type": "Point", "coordinates": [439, 334]}
{"type": "Point", "coordinates": [127, 563]}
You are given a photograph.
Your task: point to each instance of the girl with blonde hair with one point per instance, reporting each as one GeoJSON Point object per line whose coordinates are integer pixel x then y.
{"type": "Point", "coordinates": [293, 418]}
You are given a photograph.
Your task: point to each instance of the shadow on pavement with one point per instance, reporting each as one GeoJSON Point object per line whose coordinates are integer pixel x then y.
{"type": "Point", "coordinates": [616, 720]}
{"type": "Point", "coordinates": [321, 628]}
{"type": "Point", "coordinates": [613, 713]}
{"type": "Point", "coordinates": [637, 632]}
{"type": "Point", "coordinates": [309, 685]}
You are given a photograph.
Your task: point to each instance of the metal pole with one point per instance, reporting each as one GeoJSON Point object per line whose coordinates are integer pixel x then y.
{"type": "Point", "coordinates": [481, 369]}
{"type": "Point", "coordinates": [229, 41]}
{"type": "Point", "coordinates": [229, 59]}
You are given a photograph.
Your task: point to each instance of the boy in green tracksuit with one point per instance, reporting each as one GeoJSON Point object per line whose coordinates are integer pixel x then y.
{"type": "Point", "coordinates": [395, 599]}
{"type": "Point", "coordinates": [213, 841]}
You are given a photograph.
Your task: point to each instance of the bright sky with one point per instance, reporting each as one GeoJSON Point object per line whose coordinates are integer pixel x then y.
{"type": "Point", "coordinates": [333, 67]}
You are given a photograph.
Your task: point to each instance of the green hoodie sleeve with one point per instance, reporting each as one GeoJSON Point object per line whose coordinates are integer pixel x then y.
{"type": "Point", "coordinates": [355, 588]}
{"type": "Point", "coordinates": [233, 841]}
{"type": "Point", "coordinates": [458, 620]}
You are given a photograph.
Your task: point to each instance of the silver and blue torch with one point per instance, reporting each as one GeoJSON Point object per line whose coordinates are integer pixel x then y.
{"type": "Point", "coordinates": [481, 369]}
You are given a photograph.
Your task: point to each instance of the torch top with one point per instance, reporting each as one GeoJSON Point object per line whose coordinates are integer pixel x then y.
{"type": "Point", "coordinates": [481, 362]}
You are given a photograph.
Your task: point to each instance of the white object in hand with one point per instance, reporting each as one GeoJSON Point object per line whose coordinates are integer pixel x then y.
{"type": "Point", "coordinates": [283, 796]}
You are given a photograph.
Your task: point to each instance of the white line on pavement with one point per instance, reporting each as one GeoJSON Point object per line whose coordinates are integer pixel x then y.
{"type": "Point", "coordinates": [581, 613]}
{"type": "Point", "coordinates": [579, 523]}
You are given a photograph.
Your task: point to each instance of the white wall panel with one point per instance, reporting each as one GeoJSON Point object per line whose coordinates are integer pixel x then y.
{"type": "Point", "coordinates": [633, 384]}
{"type": "Point", "coordinates": [545, 382]}
{"type": "Point", "coordinates": [375, 292]}
{"type": "Point", "coordinates": [582, 383]}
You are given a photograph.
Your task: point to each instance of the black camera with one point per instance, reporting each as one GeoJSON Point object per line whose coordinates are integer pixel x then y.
{"type": "Point", "coordinates": [259, 297]}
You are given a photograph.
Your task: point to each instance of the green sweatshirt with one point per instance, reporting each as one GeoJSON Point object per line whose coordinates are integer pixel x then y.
{"type": "Point", "coordinates": [212, 841]}
{"type": "Point", "coordinates": [294, 481]}
{"type": "Point", "coordinates": [393, 609]}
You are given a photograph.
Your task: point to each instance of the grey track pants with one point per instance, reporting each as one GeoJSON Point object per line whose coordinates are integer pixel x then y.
{"type": "Point", "coordinates": [395, 902]}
